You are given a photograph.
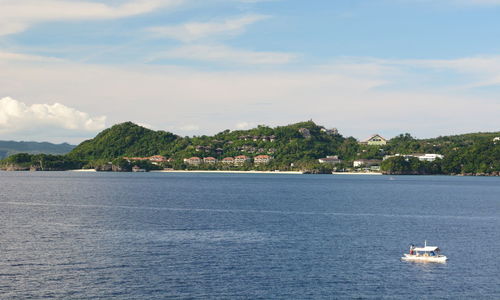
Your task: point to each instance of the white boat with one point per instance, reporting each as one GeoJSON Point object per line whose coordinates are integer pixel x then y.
{"type": "Point", "coordinates": [424, 254]}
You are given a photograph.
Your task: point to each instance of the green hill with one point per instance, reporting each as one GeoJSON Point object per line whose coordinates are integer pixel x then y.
{"type": "Point", "coordinates": [292, 147]}
{"type": "Point", "coordinates": [125, 139]}
{"type": "Point", "coordinates": [8, 148]}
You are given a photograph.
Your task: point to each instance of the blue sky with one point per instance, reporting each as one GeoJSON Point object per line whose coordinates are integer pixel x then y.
{"type": "Point", "coordinates": [72, 68]}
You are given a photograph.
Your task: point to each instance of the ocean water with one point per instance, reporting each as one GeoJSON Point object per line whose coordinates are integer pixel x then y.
{"type": "Point", "coordinates": [69, 235]}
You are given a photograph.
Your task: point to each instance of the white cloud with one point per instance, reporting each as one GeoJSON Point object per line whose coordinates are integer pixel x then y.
{"type": "Point", "coordinates": [18, 117]}
{"type": "Point", "coordinates": [18, 15]}
{"type": "Point", "coordinates": [11, 56]}
{"type": "Point", "coordinates": [245, 125]}
{"type": "Point", "coordinates": [189, 127]}
{"type": "Point", "coordinates": [189, 32]}
{"type": "Point", "coordinates": [477, 70]}
{"type": "Point", "coordinates": [228, 55]}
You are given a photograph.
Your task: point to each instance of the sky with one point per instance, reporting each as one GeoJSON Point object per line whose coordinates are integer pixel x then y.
{"type": "Point", "coordinates": [69, 69]}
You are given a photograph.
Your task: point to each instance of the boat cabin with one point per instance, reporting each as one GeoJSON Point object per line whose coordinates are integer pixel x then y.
{"type": "Point", "coordinates": [425, 251]}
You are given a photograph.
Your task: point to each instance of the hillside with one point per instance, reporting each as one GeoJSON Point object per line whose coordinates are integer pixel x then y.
{"type": "Point", "coordinates": [126, 139]}
{"type": "Point", "coordinates": [8, 148]}
{"type": "Point", "coordinates": [296, 146]}
{"type": "Point", "coordinates": [300, 142]}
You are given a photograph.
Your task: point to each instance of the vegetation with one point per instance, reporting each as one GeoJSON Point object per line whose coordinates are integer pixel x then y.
{"type": "Point", "coordinates": [126, 139]}
{"type": "Point", "coordinates": [292, 147]}
{"type": "Point", "coordinates": [43, 162]}
{"type": "Point", "coordinates": [463, 154]}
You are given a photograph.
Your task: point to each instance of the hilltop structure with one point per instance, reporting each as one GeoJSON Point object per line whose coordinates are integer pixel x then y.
{"type": "Point", "coordinates": [374, 140]}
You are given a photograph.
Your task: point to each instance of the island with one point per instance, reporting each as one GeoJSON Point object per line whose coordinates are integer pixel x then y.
{"type": "Point", "coordinates": [303, 147]}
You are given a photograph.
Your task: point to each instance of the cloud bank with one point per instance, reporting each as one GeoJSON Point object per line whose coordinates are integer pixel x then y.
{"type": "Point", "coordinates": [189, 32]}
{"type": "Point", "coordinates": [227, 55]}
{"type": "Point", "coordinates": [19, 118]}
{"type": "Point", "coordinates": [16, 15]}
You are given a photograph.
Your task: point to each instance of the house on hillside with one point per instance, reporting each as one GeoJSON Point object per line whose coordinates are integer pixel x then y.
{"type": "Point", "coordinates": [262, 159]}
{"type": "Point", "coordinates": [228, 161]}
{"type": "Point", "coordinates": [157, 159]}
{"type": "Point", "coordinates": [210, 160]}
{"type": "Point", "coordinates": [420, 156]}
{"type": "Point", "coordinates": [305, 132]}
{"type": "Point", "coordinates": [332, 131]}
{"type": "Point", "coordinates": [366, 163]}
{"type": "Point", "coordinates": [428, 156]}
{"type": "Point", "coordinates": [193, 161]}
{"type": "Point", "coordinates": [496, 139]}
{"type": "Point", "coordinates": [333, 160]}
{"type": "Point", "coordinates": [374, 140]}
{"type": "Point", "coordinates": [241, 160]}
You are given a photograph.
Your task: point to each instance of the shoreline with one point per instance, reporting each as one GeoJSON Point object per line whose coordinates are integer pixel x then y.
{"type": "Point", "coordinates": [242, 172]}
{"type": "Point", "coordinates": [229, 172]}
{"type": "Point", "coordinates": [357, 173]}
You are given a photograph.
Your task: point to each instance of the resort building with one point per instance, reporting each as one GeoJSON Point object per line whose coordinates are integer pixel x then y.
{"type": "Point", "coordinates": [334, 159]}
{"type": "Point", "coordinates": [157, 158]}
{"type": "Point", "coordinates": [332, 131]}
{"type": "Point", "coordinates": [262, 159]}
{"type": "Point", "coordinates": [420, 156]}
{"type": "Point", "coordinates": [194, 161]}
{"type": "Point", "coordinates": [366, 163]}
{"type": "Point", "coordinates": [209, 160]}
{"type": "Point", "coordinates": [305, 132]}
{"type": "Point", "coordinates": [374, 140]}
{"type": "Point", "coordinates": [429, 157]}
{"type": "Point", "coordinates": [241, 159]}
{"type": "Point", "coordinates": [228, 161]}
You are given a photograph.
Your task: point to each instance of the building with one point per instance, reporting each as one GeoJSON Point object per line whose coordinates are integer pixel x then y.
{"type": "Point", "coordinates": [305, 132]}
{"type": "Point", "coordinates": [262, 159]}
{"type": "Point", "coordinates": [193, 161]}
{"type": "Point", "coordinates": [429, 156]}
{"type": "Point", "coordinates": [374, 140]}
{"type": "Point", "coordinates": [241, 159]}
{"type": "Point", "coordinates": [334, 159]}
{"type": "Point", "coordinates": [420, 156]}
{"type": "Point", "coordinates": [496, 139]}
{"type": "Point", "coordinates": [366, 163]}
{"type": "Point", "coordinates": [154, 159]}
{"type": "Point", "coordinates": [228, 161]}
{"type": "Point", "coordinates": [332, 131]}
{"type": "Point", "coordinates": [210, 160]}
{"type": "Point", "coordinates": [157, 158]}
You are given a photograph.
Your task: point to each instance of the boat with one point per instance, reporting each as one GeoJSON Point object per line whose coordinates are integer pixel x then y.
{"type": "Point", "coordinates": [424, 254]}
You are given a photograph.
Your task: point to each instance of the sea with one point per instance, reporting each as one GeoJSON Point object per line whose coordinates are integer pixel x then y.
{"type": "Point", "coordinates": [76, 235]}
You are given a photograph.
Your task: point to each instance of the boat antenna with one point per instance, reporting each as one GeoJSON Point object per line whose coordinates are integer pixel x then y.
{"type": "Point", "coordinates": [425, 243]}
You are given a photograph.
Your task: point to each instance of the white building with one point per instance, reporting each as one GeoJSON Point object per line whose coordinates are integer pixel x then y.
{"type": "Point", "coordinates": [366, 162]}
{"type": "Point", "coordinates": [430, 157]}
{"type": "Point", "coordinates": [334, 159]}
{"type": "Point", "coordinates": [420, 156]}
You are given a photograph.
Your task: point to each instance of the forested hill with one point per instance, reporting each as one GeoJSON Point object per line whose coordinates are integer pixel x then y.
{"type": "Point", "coordinates": [125, 139]}
{"type": "Point", "coordinates": [303, 141]}
{"type": "Point", "coordinates": [8, 148]}
{"type": "Point", "coordinates": [296, 146]}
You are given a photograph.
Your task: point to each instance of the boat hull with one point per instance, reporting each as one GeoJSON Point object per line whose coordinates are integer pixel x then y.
{"type": "Point", "coordinates": [422, 258]}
